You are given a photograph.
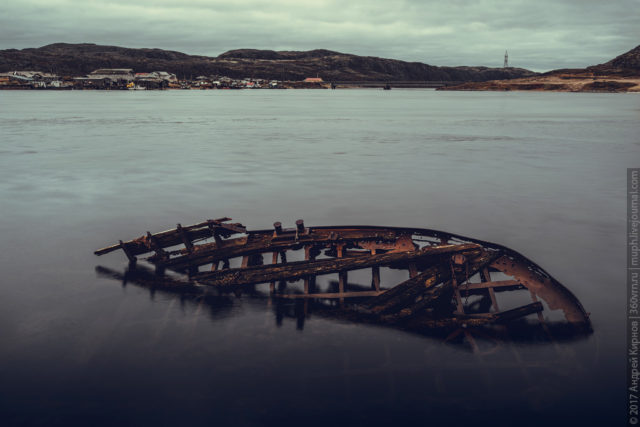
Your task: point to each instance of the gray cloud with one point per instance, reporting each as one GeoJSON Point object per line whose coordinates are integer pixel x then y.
{"type": "Point", "coordinates": [539, 35]}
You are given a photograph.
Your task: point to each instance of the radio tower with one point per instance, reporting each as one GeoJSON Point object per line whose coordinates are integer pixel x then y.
{"type": "Point", "coordinates": [506, 59]}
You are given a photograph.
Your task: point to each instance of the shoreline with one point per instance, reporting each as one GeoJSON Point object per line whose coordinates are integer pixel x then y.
{"type": "Point", "coordinates": [556, 83]}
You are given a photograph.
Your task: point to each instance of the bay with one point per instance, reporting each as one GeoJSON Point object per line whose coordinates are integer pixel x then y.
{"type": "Point", "coordinates": [542, 173]}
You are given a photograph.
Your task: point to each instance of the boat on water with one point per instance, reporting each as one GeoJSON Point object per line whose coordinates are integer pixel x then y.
{"type": "Point", "coordinates": [452, 280]}
{"type": "Point", "coordinates": [133, 86]}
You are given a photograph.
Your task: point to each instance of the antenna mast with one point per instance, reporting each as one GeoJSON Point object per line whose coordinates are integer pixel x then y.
{"type": "Point", "coordinates": [506, 59]}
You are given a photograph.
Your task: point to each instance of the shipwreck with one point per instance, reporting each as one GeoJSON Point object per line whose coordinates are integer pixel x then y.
{"type": "Point", "coordinates": [452, 281]}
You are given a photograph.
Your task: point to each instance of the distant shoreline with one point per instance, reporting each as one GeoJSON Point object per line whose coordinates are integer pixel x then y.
{"type": "Point", "coordinates": [561, 82]}
{"type": "Point", "coordinates": [208, 86]}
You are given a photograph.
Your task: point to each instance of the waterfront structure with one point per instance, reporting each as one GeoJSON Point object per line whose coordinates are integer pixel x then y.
{"type": "Point", "coordinates": [154, 79]}
{"type": "Point", "coordinates": [33, 79]}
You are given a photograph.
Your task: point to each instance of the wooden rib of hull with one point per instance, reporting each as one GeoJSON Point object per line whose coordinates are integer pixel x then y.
{"type": "Point", "coordinates": [300, 269]}
{"type": "Point", "coordinates": [256, 243]}
{"type": "Point", "coordinates": [175, 236]}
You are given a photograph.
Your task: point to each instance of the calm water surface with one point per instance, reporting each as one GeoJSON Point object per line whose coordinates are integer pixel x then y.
{"type": "Point", "coordinates": [542, 173]}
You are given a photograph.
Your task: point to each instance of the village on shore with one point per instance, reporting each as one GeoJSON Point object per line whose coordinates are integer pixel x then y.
{"type": "Point", "coordinates": [127, 79]}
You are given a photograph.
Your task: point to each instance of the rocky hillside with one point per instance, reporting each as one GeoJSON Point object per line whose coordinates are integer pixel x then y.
{"type": "Point", "coordinates": [621, 74]}
{"type": "Point", "coordinates": [626, 64]}
{"type": "Point", "coordinates": [80, 59]}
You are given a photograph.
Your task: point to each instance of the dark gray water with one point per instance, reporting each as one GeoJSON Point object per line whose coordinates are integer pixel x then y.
{"type": "Point", "coordinates": [542, 173]}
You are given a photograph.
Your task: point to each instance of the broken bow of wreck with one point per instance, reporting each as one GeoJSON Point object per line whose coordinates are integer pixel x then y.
{"type": "Point", "coordinates": [444, 270]}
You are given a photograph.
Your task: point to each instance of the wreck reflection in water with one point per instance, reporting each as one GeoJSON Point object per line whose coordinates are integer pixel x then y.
{"type": "Point", "coordinates": [220, 302]}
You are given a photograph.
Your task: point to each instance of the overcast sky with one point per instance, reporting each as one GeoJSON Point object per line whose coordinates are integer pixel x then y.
{"type": "Point", "coordinates": [539, 34]}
